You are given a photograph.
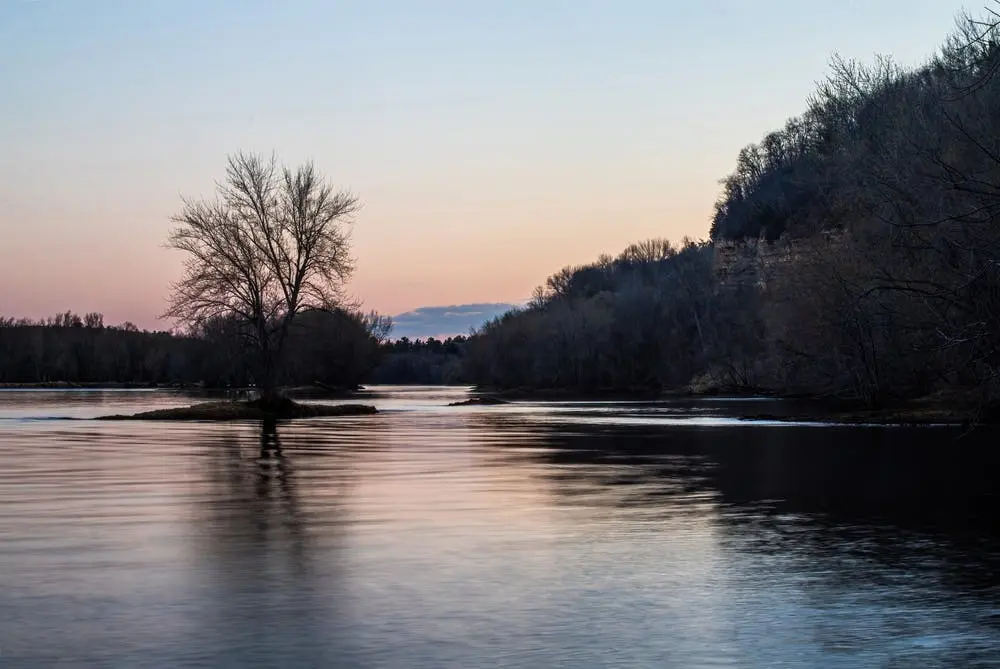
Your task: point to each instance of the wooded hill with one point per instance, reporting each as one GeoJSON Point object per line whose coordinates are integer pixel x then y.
{"type": "Point", "coordinates": [854, 252]}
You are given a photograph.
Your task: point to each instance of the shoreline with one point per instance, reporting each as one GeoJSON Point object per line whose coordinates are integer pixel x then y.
{"type": "Point", "coordinates": [954, 410]}
{"type": "Point", "coordinates": [318, 390]}
{"type": "Point", "coordinates": [69, 385]}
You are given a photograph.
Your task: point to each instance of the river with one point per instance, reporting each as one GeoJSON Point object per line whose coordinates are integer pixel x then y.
{"type": "Point", "coordinates": [533, 534]}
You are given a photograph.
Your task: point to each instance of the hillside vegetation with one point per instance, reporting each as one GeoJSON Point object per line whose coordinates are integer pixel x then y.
{"type": "Point", "coordinates": [854, 252]}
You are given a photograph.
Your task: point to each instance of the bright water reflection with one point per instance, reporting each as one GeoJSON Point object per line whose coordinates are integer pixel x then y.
{"type": "Point", "coordinates": [525, 535]}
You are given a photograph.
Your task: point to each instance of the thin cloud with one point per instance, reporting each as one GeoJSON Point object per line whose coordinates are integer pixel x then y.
{"type": "Point", "coordinates": [446, 321]}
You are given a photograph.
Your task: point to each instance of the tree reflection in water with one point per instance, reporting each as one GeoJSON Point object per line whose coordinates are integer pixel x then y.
{"type": "Point", "coordinates": [261, 559]}
{"type": "Point", "coordinates": [275, 488]}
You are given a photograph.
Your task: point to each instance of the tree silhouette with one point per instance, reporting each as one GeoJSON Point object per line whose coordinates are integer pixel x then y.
{"type": "Point", "coordinates": [273, 243]}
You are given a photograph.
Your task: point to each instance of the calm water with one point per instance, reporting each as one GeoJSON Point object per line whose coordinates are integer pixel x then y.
{"type": "Point", "coordinates": [530, 535]}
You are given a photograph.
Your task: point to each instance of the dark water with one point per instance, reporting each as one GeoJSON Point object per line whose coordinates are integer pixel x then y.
{"type": "Point", "coordinates": [530, 535]}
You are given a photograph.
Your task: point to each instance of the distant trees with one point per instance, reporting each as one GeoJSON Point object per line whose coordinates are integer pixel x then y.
{"type": "Point", "coordinates": [428, 361]}
{"type": "Point", "coordinates": [641, 321]}
{"type": "Point", "coordinates": [337, 348]}
{"type": "Point", "coordinates": [272, 245]}
{"type": "Point", "coordinates": [71, 348]}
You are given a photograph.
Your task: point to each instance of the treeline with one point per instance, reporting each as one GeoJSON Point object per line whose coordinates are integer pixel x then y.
{"type": "Point", "coordinates": [338, 348]}
{"type": "Point", "coordinates": [647, 320]}
{"type": "Point", "coordinates": [428, 361]}
{"type": "Point", "coordinates": [854, 252]}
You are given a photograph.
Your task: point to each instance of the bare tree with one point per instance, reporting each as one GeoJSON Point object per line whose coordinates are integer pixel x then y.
{"type": "Point", "coordinates": [273, 243]}
{"type": "Point", "coordinates": [647, 251]}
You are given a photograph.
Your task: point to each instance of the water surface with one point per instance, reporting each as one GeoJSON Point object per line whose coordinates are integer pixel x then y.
{"type": "Point", "coordinates": [537, 534]}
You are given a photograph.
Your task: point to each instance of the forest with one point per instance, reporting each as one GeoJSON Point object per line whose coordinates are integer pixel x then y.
{"type": "Point", "coordinates": [429, 361]}
{"type": "Point", "coordinates": [854, 253]}
{"type": "Point", "coordinates": [338, 348]}
{"type": "Point", "coordinates": [334, 350]}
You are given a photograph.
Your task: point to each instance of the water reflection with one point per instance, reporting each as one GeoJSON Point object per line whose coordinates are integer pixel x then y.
{"type": "Point", "coordinates": [928, 473]}
{"type": "Point", "coordinates": [846, 520]}
{"type": "Point", "coordinates": [436, 537]}
{"type": "Point", "coordinates": [252, 499]}
{"type": "Point", "coordinates": [268, 576]}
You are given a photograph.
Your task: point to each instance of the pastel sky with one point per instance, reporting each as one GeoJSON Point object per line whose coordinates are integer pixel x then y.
{"type": "Point", "coordinates": [491, 143]}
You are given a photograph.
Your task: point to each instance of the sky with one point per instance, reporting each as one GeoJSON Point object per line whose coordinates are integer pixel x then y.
{"type": "Point", "coordinates": [445, 321]}
{"type": "Point", "coordinates": [491, 143]}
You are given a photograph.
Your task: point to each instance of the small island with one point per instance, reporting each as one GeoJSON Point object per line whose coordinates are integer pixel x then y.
{"type": "Point", "coordinates": [485, 400]}
{"type": "Point", "coordinates": [281, 409]}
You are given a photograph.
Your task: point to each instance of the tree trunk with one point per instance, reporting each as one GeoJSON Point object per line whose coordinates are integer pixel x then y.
{"type": "Point", "coordinates": [267, 385]}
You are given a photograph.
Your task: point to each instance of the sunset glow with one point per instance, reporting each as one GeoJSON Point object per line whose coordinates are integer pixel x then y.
{"type": "Point", "coordinates": [490, 145]}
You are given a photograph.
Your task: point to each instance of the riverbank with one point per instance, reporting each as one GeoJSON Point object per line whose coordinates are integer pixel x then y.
{"type": "Point", "coordinates": [70, 385]}
{"type": "Point", "coordinates": [569, 394]}
{"type": "Point", "coordinates": [942, 408]}
{"type": "Point", "coordinates": [317, 390]}
{"type": "Point", "coordinates": [915, 415]}
{"type": "Point", "coordinates": [952, 408]}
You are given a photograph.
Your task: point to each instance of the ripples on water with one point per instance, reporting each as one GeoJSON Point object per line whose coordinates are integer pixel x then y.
{"type": "Point", "coordinates": [585, 534]}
